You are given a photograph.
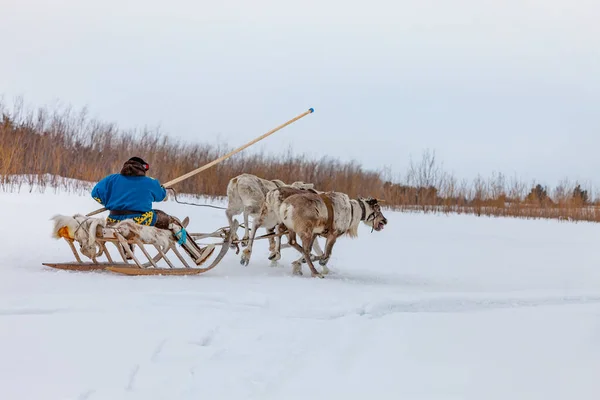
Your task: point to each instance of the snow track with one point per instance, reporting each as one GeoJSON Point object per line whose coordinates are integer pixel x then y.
{"type": "Point", "coordinates": [433, 307]}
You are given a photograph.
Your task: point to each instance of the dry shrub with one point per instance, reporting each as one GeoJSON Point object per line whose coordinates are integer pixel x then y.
{"type": "Point", "coordinates": [37, 146]}
{"type": "Point", "coordinates": [43, 149]}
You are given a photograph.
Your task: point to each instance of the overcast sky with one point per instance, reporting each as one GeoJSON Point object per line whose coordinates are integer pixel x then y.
{"type": "Point", "coordinates": [511, 86]}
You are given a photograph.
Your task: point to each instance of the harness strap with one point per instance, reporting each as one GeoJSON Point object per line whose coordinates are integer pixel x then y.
{"type": "Point", "coordinates": [329, 205]}
{"type": "Point", "coordinates": [364, 211]}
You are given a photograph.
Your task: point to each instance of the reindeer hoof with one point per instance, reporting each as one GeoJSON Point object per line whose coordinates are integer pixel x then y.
{"type": "Point", "coordinates": [317, 275]}
{"type": "Point", "coordinates": [325, 270]}
{"type": "Point", "coordinates": [245, 260]}
{"type": "Point", "coordinates": [323, 261]}
{"type": "Point", "coordinates": [297, 269]}
{"type": "Point", "coordinates": [274, 256]}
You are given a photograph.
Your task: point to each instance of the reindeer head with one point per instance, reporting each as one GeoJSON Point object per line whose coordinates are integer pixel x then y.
{"type": "Point", "coordinates": [373, 215]}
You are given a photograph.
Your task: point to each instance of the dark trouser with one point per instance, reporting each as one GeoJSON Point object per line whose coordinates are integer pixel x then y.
{"type": "Point", "coordinates": [163, 220]}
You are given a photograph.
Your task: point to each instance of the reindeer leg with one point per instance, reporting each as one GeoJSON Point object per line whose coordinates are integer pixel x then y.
{"type": "Point", "coordinates": [318, 251]}
{"type": "Point", "coordinates": [331, 239]}
{"type": "Point", "coordinates": [292, 242]}
{"type": "Point", "coordinates": [234, 237]}
{"type": "Point", "coordinates": [276, 251]}
{"type": "Point", "coordinates": [272, 244]}
{"type": "Point", "coordinates": [247, 253]}
{"type": "Point", "coordinates": [246, 227]}
{"type": "Point", "coordinates": [273, 256]}
{"type": "Point", "coordinates": [307, 242]}
{"type": "Point", "coordinates": [317, 248]}
{"type": "Point", "coordinates": [297, 265]}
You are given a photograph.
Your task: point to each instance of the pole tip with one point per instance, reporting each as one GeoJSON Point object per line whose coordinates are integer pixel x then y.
{"type": "Point", "coordinates": [312, 110]}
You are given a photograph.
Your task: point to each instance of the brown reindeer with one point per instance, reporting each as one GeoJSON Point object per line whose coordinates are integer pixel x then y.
{"type": "Point", "coordinates": [269, 220]}
{"type": "Point", "coordinates": [332, 214]}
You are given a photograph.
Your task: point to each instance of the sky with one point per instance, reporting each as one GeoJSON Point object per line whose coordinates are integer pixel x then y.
{"type": "Point", "coordinates": [491, 86]}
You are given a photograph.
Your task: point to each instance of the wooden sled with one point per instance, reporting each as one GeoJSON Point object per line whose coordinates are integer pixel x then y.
{"type": "Point", "coordinates": [159, 264]}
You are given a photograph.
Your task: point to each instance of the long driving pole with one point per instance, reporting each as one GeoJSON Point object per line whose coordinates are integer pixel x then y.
{"type": "Point", "coordinates": [222, 158]}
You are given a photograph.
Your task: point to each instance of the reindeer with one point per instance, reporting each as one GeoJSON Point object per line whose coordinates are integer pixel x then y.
{"type": "Point", "coordinates": [246, 193]}
{"type": "Point", "coordinates": [269, 220]}
{"type": "Point", "coordinates": [308, 215]}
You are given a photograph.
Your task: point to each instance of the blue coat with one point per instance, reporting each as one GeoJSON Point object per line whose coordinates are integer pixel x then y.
{"type": "Point", "coordinates": [119, 192]}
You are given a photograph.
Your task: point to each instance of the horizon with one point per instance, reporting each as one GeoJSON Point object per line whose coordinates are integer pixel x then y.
{"type": "Point", "coordinates": [507, 88]}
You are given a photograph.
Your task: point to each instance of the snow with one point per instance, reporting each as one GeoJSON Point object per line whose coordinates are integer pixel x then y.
{"type": "Point", "coordinates": [433, 307]}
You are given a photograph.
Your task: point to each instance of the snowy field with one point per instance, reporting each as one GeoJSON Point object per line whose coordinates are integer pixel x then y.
{"type": "Point", "coordinates": [433, 307]}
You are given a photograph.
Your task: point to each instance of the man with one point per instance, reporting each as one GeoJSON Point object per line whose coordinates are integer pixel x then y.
{"type": "Point", "coordinates": [130, 194]}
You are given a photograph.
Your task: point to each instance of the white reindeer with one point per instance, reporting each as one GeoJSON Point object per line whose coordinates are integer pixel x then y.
{"type": "Point", "coordinates": [246, 194]}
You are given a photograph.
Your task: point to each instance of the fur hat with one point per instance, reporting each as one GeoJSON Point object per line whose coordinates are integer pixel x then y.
{"type": "Point", "coordinates": [139, 160]}
{"type": "Point", "coordinates": [135, 166]}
